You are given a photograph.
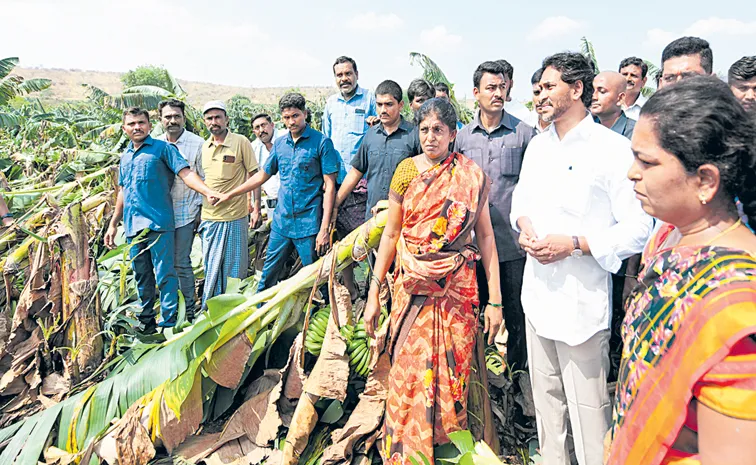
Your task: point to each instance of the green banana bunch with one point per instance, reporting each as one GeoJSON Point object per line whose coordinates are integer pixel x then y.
{"type": "Point", "coordinates": [358, 347]}
{"type": "Point", "coordinates": [316, 331]}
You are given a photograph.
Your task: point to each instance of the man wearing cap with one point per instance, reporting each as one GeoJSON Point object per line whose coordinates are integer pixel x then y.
{"type": "Point", "coordinates": [228, 161]}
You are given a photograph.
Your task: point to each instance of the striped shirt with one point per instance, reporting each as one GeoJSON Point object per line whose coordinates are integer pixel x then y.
{"type": "Point", "coordinates": [186, 202]}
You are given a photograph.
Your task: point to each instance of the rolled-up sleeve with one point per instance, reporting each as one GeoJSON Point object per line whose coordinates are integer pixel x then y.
{"type": "Point", "coordinates": [633, 226]}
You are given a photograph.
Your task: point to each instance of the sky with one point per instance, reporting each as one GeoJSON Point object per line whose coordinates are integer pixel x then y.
{"type": "Point", "coordinates": [294, 43]}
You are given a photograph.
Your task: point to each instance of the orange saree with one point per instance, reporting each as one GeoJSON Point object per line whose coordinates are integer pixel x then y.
{"type": "Point", "coordinates": [435, 307]}
{"type": "Point", "coordinates": [688, 339]}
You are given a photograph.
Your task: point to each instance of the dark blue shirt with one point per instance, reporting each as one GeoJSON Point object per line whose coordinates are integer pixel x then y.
{"type": "Point", "coordinates": [624, 126]}
{"type": "Point", "coordinates": [301, 167]}
{"type": "Point", "coordinates": [146, 176]}
{"type": "Point", "coordinates": [379, 155]}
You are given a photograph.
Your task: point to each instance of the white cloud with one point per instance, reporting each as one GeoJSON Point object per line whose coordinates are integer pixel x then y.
{"type": "Point", "coordinates": [553, 27]}
{"type": "Point", "coordinates": [372, 21]}
{"type": "Point", "coordinates": [439, 36]}
{"type": "Point", "coordinates": [703, 28]}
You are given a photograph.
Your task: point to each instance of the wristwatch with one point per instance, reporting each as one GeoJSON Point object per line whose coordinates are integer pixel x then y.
{"type": "Point", "coordinates": [577, 252]}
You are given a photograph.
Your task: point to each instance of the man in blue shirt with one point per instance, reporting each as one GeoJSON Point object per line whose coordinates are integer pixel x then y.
{"type": "Point", "coordinates": [307, 165]}
{"type": "Point", "coordinates": [146, 175]}
{"type": "Point", "coordinates": [346, 118]}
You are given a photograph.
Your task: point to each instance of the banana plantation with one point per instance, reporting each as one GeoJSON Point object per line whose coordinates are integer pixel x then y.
{"type": "Point", "coordinates": [274, 377]}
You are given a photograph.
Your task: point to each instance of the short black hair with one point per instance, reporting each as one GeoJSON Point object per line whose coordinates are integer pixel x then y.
{"type": "Point", "coordinates": [389, 87]}
{"type": "Point", "coordinates": [491, 67]}
{"type": "Point", "coordinates": [634, 61]}
{"type": "Point", "coordinates": [536, 77]}
{"type": "Point", "coordinates": [261, 115]}
{"type": "Point", "coordinates": [175, 103]}
{"type": "Point", "coordinates": [700, 121]}
{"type": "Point", "coordinates": [442, 108]}
{"type": "Point", "coordinates": [508, 69]}
{"type": "Point", "coordinates": [441, 87]}
{"type": "Point", "coordinates": [135, 111]}
{"type": "Point", "coordinates": [420, 88]}
{"type": "Point", "coordinates": [344, 59]}
{"type": "Point", "coordinates": [685, 46]}
{"type": "Point", "coordinates": [293, 100]}
{"type": "Point", "coordinates": [742, 70]}
{"type": "Point", "coordinates": [574, 67]}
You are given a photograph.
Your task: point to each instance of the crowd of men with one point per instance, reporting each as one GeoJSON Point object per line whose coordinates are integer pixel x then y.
{"type": "Point", "coordinates": [567, 199]}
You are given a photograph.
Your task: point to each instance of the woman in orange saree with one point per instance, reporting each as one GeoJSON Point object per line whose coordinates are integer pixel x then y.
{"type": "Point", "coordinates": [686, 392]}
{"type": "Point", "coordinates": [437, 200]}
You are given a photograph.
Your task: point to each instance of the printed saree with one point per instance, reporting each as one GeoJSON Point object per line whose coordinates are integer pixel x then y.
{"type": "Point", "coordinates": [688, 339]}
{"type": "Point", "coordinates": [434, 309]}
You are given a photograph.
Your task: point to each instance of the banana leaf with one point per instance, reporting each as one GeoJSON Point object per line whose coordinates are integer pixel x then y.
{"type": "Point", "coordinates": [165, 378]}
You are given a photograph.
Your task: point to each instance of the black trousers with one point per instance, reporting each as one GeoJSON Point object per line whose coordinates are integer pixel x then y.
{"type": "Point", "coordinates": [510, 283]}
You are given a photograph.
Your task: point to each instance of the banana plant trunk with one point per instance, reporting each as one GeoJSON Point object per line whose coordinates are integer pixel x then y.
{"type": "Point", "coordinates": [81, 309]}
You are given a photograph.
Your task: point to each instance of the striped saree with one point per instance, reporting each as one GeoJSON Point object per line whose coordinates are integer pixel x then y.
{"type": "Point", "coordinates": [435, 306]}
{"type": "Point", "coordinates": [688, 339]}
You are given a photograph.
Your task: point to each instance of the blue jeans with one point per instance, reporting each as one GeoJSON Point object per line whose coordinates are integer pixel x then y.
{"type": "Point", "coordinates": [152, 262]}
{"type": "Point", "coordinates": [183, 264]}
{"type": "Point", "coordinates": [279, 249]}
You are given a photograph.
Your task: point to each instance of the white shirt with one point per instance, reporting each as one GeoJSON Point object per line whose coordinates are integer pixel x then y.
{"type": "Point", "coordinates": [578, 187]}
{"type": "Point", "coordinates": [633, 111]}
{"type": "Point", "coordinates": [272, 185]}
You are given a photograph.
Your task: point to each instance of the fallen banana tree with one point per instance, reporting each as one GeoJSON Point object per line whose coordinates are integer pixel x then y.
{"type": "Point", "coordinates": [171, 385]}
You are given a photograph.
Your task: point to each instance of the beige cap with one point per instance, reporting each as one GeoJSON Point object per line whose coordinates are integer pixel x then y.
{"type": "Point", "coordinates": [214, 105]}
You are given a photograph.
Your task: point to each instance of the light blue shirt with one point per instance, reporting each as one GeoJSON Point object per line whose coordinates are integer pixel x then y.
{"type": "Point", "coordinates": [344, 123]}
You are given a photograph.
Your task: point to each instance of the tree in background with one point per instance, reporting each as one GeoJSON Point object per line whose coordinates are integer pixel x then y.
{"type": "Point", "coordinates": [147, 75]}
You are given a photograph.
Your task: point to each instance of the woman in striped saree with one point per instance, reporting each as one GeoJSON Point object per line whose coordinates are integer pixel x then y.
{"type": "Point", "coordinates": [687, 384]}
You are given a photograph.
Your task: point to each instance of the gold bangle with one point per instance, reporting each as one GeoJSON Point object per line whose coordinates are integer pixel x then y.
{"type": "Point", "coordinates": [374, 279]}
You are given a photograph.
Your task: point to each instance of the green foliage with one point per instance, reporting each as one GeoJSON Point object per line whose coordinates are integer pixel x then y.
{"type": "Point", "coordinates": [147, 75]}
{"type": "Point", "coordinates": [12, 86]}
{"type": "Point", "coordinates": [433, 74]}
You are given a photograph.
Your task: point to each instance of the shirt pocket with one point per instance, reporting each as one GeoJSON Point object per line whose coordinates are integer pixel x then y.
{"type": "Point", "coordinates": [308, 164]}
{"type": "Point", "coordinates": [144, 167]}
{"type": "Point", "coordinates": [356, 121]}
{"type": "Point", "coordinates": [511, 161]}
{"type": "Point", "coordinates": [229, 165]}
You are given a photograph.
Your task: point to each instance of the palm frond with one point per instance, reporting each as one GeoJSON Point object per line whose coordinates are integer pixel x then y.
{"type": "Point", "coordinates": [7, 65]}
{"type": "Point", "coordinates": [149, 90]}
{"type": "Point", "coordinates": [433, 74]}
{"type": "Point", "coordinates": [27, 86]}
{"type": "Point", "coordinates": [9, 120]}
{"type": "Point", "coordinates": [176, 88]}
{"type": "Point", "coordinates": [586, 48]}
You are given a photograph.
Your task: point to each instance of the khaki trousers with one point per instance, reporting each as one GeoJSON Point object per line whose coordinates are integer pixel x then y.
{"type": "Point", "coordinates": [570, 379]}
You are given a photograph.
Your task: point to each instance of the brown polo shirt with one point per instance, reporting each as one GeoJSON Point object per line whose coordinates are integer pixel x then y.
{"type": "Point", "coordinates": [226, 167]}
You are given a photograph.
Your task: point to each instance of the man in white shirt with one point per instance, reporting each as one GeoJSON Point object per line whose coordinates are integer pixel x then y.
{"type": "Point", "coordinates": [265, 134]}
{"type": "Point", "coordinates": [578, 218]}
{"type": "Point", "coordinates": [635, 71]}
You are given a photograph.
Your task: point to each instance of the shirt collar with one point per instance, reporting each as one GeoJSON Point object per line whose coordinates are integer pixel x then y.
{"type": "Point", "coordinates": [147, 141]}
{"type": "Point", "coordinates": [639, 102]}
{"type": "Point", "coordinates": [404, 125]}
{"type": "Point", "coordinates": [305, 134]}
{"type": "Point", "coordinates": [581, 131]}
{"type": "Point", "coordinates": [505, 121]}
{"type": "Point", "coordinates": [619, 125]}
{"type": "Point", "coordinates": [357, 91]}
{"type": "Point", "coordinates": [225, 142]}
